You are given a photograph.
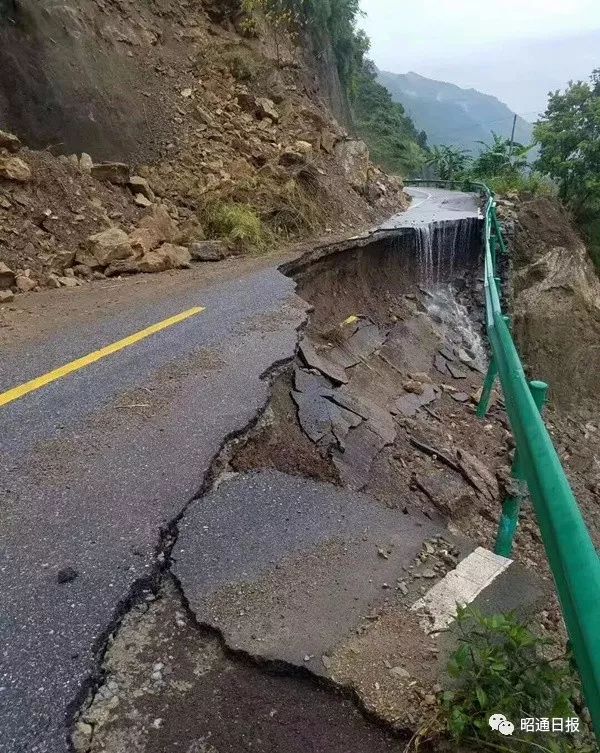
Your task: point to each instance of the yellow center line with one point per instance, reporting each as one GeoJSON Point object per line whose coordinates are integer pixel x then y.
{"type": "Point", "coordinates": [35, 384]}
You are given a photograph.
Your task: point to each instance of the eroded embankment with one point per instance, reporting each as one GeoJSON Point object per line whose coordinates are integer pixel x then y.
{"type": "Point", "coordinates": [326, 523]}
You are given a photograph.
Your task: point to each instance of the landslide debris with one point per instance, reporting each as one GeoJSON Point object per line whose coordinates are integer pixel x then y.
{"type": "Point", "coordinates": [556, 301]}
{"type": "Point", "coordinates": [227, 140]}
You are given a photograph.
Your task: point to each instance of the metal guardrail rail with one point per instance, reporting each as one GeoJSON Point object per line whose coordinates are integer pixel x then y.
{"type": "Point", "coordinates": [571, 554]}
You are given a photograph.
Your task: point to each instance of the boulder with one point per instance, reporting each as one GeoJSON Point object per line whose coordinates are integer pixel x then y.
{"type": "Point", "coordinates": [303, 147]}
{"type": "Point", "coordinates": [139, 185]}
{"type": "Point", "coordinates": [61, 260]}
{"type": "Point", "coordinates": [82, 270]}
{"type": "Point", "coordinates": [353, 155]}
{"type": "Point", "coordinates": [117, 173]}
{"type": "Point", "coordinates": [289, 157]}
{"type": "Point", "coordinates": [9, 141]}
{"type": "Point", "coordinates": [108, 246]}
{"type": "Point", "coordinates": [265, 108]}
{"type": "Point", "coordinates": [178, 257]}
{"type": "Point", "coordinates": [6, 296]}
{"type": "Point", "coordinates": [142, 201]}
{"type": "Point", "coordinates": [7, 276]}
{"type": "Point", "coordinates": [152, 262]}
{"type": "Point", "coordinates": [208, 251]}
{"type": "Point", "coordinates": [328, 141]}
{"type": "Point", "coordinates": [129, 266]}
{"type": "Point", "coordinates": [154, 229]}
{"type": "Point", "coordinates": [86, 259]}
{"type": "Point", "coordinates": [68, 282]}
{"type": "Point", "coordinates": [14, 168]}
{"type": "Point", "coordinates": [25, 284]}
{"type": "Point", "coordinates": [86, 164]}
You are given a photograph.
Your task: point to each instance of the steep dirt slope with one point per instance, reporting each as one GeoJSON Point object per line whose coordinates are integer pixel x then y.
{"type": "Point", "coordinates": [212, 118]}
{"type": "Point", "coordinates": [556, 303]}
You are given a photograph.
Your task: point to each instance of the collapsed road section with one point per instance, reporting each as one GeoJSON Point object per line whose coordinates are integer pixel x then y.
{"type": "Point", "coordinates": [338, 533]}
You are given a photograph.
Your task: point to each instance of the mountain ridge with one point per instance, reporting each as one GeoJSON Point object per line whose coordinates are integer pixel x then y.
{"type": "Point", "coordinates": [453, 115]}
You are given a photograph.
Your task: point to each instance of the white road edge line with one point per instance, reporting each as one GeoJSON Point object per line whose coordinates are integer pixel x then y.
{"type": "Point", "coordinates": [415, 206]}
{"type": "Point", "coordinates": [459, 587]}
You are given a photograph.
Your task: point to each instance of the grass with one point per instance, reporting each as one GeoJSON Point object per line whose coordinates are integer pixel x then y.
{"type": "Point", "coordinates": [533, 184]}
{"type": "Point", "coordinates": [242, 63]}
{"type": "Point", "coordinates": [502, 667]}
{"type": "Point", "coordinates": [238, 225]}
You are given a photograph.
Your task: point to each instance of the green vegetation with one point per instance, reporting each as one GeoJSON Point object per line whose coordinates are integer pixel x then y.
{"type": "Point", "coordinates": [501, 165]}
{"type": "Point", "coordinates": [501, 667]}
{"type": "Point", "coordinates": [569, 138]}
{"type": "Point", "coordinates": [393, 140]}
{"type": "Point", "coordinates": [238, 225]}
{"type": "Point", "coordinates": [395, 143]}
{"type": "Point", "coordinates": [501, 158]}
{"type": "Point", "coordinates": [449, 162]}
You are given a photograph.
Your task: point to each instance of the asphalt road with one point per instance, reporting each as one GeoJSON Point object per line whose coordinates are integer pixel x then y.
{"type": "Point", "coordinates": [96, 464]}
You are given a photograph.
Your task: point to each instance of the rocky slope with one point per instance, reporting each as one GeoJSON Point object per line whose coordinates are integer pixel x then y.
{"type": "Point", "coordinates": [165, 121]}
{"type": "Point", "coordinates": [556, 302]}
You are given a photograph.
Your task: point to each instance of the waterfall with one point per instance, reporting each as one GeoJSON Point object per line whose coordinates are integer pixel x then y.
{"type": "Point", "coordinates": [441, 246]}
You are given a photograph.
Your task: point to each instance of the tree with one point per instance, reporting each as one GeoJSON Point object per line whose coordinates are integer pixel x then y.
{"type": "Point", "coordinates": [501, 158]}
{"type": "Point", "coordinates": [449, 162]}
{"type": "Point", "coordinates": [569, 138]}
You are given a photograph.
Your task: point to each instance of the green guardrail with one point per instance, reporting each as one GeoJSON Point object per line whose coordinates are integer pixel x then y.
{"type": "Point", "coordinates": [571, 554]}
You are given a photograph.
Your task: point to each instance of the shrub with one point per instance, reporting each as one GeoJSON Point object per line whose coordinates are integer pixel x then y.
{"type": "Point", "coordinates": [241, 63]}
{"type": "Point", "coordinates": [501, 667]}
{"type": "Point", "coordinates": [239, 225]}
{"type": "Point", "coordinates": [534, 184]}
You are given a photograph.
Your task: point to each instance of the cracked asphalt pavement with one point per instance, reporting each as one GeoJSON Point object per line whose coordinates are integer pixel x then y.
{"type": "Point", "coordinates": [95, 465]}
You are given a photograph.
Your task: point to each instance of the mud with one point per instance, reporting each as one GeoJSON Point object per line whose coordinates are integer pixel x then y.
{"type": "Point", "coordinates": [172, 686]}
{"type": "Point", "coordinates": [280, 443]}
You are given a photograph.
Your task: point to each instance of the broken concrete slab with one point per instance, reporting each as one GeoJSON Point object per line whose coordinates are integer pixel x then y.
{"type": "Point", "coordinates": [361, 448]}
{"type": "Point", "coordinates": [320, 362]}
{"type": "Point", "coordinates": [455, 371]}
{"type": "Point", "coordinates": [410, 403]}
{"type": "Point", "coordinates": [460, 397]}
{"type": "Point", "coordinates": [367, 338]}
{"type": "Point", "coordinates": [313, 414]}
{"type": "Point", "coordinates": [303, 576]}
{"type": "Point", "coordinates": [441, 364]}
{"type": "Point", "coordinates": [305, 381]}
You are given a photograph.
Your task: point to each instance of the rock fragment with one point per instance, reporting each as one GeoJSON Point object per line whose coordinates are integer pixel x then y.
{"type": "Point", "coordinates": [108, 246]}
{"type": "Point", "coordinates": [9, 141]}
{"type": "Point", "coordinates": [15, 169]}
{"type": "Point", "coordinates": [7, 276]}
{"type": "Point", "coordinates": [117, 173]}
{"type": "Point", "coordinates": [208, 250]}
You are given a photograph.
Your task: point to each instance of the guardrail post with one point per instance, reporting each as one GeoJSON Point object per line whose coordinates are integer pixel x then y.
{"type": "Point", "coordinates": [488, 386]}
{"type": "Point", "coordinates": [498, 282]}
{"type": "Point", "coordinates": [488, 383]}
{"type": "Point", "coordinates": [511, 507]}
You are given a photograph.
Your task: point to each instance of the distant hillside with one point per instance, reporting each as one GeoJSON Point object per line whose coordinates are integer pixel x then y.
{"type": "Point", "coordinates": [451, 115]}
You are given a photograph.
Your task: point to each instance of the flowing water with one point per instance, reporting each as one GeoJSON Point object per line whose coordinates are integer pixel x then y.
{"type": "Point", "coordinates": [440, 245]}
{"type": "Point", "coordinates": [440, 250]}
{"type": "Point", "coordinates": [443, 306]}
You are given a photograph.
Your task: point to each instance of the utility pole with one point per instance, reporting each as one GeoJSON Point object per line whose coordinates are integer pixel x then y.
{"type": "Point", "coordinates": [512, 138]}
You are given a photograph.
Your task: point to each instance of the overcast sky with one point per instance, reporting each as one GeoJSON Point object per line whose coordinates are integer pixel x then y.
{"type": "Point", "coordinates": [517, 50]}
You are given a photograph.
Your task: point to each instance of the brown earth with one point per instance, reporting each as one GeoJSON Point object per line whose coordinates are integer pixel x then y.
{"type": "Point", "coordinates": [209, 116]}
{"type": "Point", "coordinates": [170, 685]}
{"type": "Point", "coordinates": [556, 304]}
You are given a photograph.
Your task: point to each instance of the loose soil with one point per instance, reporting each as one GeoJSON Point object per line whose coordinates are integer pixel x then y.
{"type": "Point", "coordinates": [172, 686]}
